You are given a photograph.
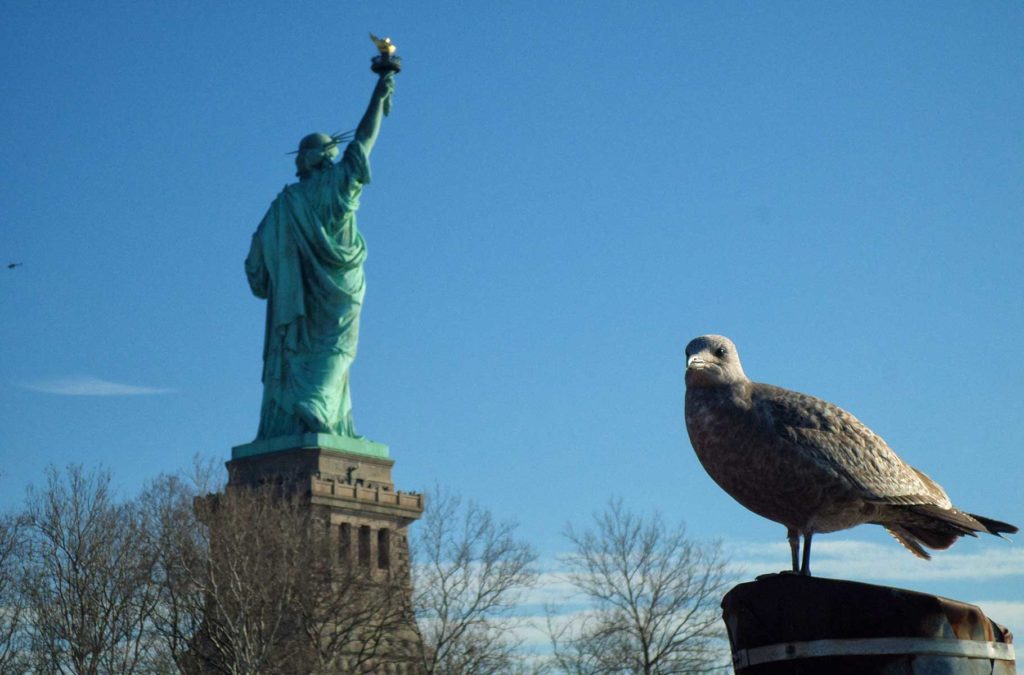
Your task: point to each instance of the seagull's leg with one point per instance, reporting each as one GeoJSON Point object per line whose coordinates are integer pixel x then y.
{"type": "Point", "coordinates": [805, 566]}
{"type": "Point", "coordinates": [794, 547]}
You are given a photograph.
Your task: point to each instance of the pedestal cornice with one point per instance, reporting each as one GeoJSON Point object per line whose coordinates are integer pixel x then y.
{"type": "Point", "coordinates": [356, 446]}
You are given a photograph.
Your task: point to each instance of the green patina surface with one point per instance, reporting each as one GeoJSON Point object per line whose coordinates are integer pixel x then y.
{"type": "Point", "coordinates": [306, 259]}
{"type": "Point", "coordinates": [358, 446]}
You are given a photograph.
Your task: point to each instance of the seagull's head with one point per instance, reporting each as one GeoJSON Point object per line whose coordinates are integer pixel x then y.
{"type": "Point", "coordinates": [712, 361]}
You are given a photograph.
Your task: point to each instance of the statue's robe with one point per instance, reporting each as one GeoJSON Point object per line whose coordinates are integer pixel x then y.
{"type": "Point", "coordinates": [306, 259]}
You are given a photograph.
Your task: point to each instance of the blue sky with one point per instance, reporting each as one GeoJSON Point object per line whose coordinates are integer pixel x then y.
{"type": "Point", "coordinates": [564, 195]}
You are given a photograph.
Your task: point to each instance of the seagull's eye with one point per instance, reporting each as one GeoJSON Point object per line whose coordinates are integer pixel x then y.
{"type": "Point", "coordinates": [720, 352]}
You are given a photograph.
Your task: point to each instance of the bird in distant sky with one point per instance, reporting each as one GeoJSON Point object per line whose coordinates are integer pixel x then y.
{"type": "Point", "coordinates": [11, 266]}
{"type": "Point", "coordinates": [808, 464]}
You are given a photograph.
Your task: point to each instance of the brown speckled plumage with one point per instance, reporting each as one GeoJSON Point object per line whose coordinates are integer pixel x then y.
{"type": "Point", "coordinates": [808, 464]}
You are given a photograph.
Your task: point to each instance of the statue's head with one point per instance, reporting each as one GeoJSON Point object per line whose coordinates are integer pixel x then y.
{"type": "Point", "coordinates": [316, 151]}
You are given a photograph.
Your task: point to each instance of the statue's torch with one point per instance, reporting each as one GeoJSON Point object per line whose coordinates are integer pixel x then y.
{"type": "Point", "coordinates": [386, 61]}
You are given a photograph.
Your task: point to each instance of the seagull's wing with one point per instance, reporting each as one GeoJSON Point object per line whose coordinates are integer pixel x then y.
{"type": "Point", "coordinates": [838, 442]}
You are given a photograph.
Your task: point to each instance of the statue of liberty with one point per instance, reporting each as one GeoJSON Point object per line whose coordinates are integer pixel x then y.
{"type": "Point", "coordinates": [306, 260]}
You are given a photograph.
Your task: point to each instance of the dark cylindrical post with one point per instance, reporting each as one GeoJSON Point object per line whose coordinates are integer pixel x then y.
{"type": "Point", "coordinates": [794, 625]}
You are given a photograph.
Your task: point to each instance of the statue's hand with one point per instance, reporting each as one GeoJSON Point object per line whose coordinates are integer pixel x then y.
{"type": "Point", "coordinates": [385, 87]}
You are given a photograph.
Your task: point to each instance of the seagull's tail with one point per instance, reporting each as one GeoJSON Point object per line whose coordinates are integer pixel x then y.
{"type": "Point", "coordinates": [996, 527]}
{"type": "Point", "coordinates": [909, 541]}
{"type": "Point", "coordinates": [917, 532]}
{"type": "Point", "coordinates": [929, 525]}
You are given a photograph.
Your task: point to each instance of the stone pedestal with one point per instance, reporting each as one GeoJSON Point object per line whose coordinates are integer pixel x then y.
{"type": "Point", "coordinates": [348, 485]}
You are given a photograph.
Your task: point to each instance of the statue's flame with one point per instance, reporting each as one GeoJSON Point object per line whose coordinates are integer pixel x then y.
{"type": "Point", "coordinates": [385, 45]}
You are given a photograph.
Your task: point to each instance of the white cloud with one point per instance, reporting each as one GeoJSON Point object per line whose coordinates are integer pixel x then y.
{"type": "Point", "coordinates": [842, 559]}
{"type": "Point", "coordinates": [91, 386]}
{"type": "Point", "coordinates": [551, 588]}
{"type": "Point", "coordinates": [861, 560]}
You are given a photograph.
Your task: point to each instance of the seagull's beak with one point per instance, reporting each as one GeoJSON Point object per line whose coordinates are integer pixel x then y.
{"type": "Point", "coordinates": [695, 362]}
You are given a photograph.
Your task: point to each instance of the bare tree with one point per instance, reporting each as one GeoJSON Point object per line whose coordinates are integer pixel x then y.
{"type": "Point", "coordinates": [654, 598]}
{"type": "Point", "coordinates": [352, 617]}
{"type": "Point", "coordinates": [13, 640]}
{"type": "Point", "coordinates": [252, 582]}
{"type": "Point", "coordinates": [181, 547]}
{"type": "Point", "coordinates": [231, 574]}
{"type": "Point", "coordinates": [469, 573]}
{"type": "Point", "coordinates": [85, 577]}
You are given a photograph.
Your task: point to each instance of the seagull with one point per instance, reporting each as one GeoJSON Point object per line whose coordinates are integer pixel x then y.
{"type": "Point", "coordinates": [808, 464]}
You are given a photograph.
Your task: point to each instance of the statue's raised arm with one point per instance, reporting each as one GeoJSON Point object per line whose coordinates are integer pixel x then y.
{"type": "Point", "coordinates": [307, 259]}
{"type": "Point", "coordinates": [380, 107]}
